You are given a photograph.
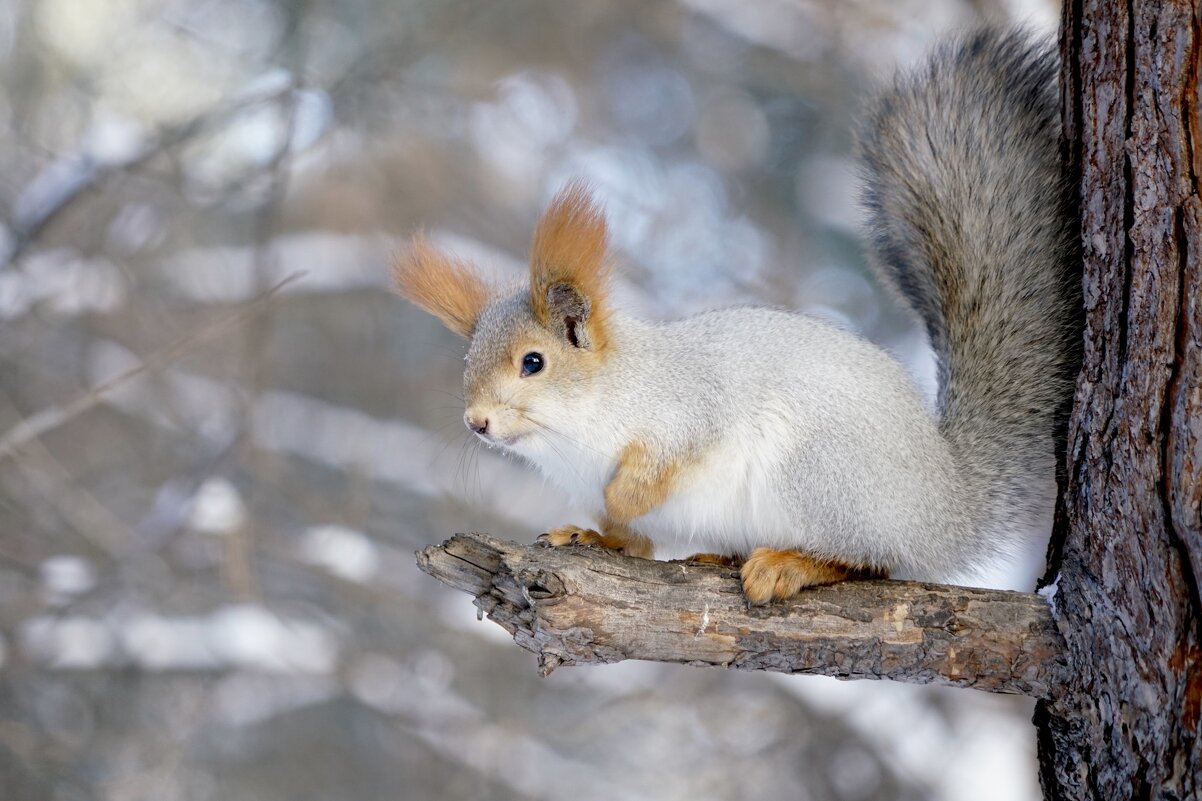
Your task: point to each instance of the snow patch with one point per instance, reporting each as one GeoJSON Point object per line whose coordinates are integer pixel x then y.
{"type": "Point", "coordinates": [1048, 593]}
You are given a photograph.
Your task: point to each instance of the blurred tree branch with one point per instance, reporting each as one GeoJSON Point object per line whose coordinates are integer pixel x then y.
{"type": "Point", "coordinates": [52, 417]}
{"type": "Point", "coordinates": [573, 606]}
{"type": "Point", "coordinates": [70, 176]}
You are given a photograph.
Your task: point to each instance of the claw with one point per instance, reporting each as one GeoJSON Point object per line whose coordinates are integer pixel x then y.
{"type": "Point", "coordinates": [622, 541]}
{"type": "Point", "coordinates": [572, 535]}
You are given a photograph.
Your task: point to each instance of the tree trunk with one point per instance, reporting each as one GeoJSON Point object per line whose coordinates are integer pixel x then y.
{"type": "Point", "coordinates": [1127, 548]}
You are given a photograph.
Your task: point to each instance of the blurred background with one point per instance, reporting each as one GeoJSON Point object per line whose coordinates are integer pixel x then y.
{"type": "Point", "coordinates": [211, 486]}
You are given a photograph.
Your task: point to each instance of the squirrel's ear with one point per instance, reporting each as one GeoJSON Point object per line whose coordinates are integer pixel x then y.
{"type": "Point", "coordinates": [569, 273]}
{"type": "Point", "coordinates": [450, 289]}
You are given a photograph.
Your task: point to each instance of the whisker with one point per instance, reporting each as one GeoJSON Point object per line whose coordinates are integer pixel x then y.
{"type": "Point", "coordinates": [443, 409]}
{"type": "Point", "coordinates": [558, 433]}
{"type": "Point", "coordinates": [460, 475]}
{"type": "Point", "coordinates": [476, 470]}
{"type": "Point", "coordinates": [550, 442]}
{"type": "Point", "coordinates": [451, 441]}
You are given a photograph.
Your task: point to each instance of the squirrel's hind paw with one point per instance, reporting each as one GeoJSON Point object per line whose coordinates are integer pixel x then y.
{"type": "Point", "coordinates": [771, 575]}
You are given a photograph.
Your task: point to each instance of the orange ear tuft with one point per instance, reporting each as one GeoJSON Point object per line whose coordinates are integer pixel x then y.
{"type": "Point", "coordinates": [450, 289]}
{"type": "Point", "coordinates": [569, 274]}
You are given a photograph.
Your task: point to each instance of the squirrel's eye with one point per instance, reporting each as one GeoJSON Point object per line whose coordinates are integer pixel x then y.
{"type": "Point", "coordinates": [531, 363]}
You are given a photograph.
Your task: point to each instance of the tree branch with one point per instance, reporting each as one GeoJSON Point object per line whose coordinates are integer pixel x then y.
{"type": "Point", "coordinates": [575, 606]}
{"type": "Point", "coordinates": [52, 417]}
{"type": "Point", "coordinates": [65, 181]}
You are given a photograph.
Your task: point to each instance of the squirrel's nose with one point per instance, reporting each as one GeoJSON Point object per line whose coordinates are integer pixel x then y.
{"type": "Point", "coordinates": [477, 424]}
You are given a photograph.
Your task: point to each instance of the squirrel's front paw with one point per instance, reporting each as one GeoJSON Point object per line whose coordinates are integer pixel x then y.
{"type": "Point", "coordinates": [771, 575]}
{"type": "Point", "coordinates": [614, 538]}
{"type": "Point", "coordinates": [572, 535]}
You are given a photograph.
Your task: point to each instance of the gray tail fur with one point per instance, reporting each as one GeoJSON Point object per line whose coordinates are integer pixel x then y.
{"type": "Point", "coordinates": [970, 221]}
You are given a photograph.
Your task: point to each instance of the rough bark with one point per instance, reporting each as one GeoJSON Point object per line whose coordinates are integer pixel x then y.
{"type": "Point", "coordinates": [1128, 543]}
{"type": "Point", "coordinates": [583, 606]}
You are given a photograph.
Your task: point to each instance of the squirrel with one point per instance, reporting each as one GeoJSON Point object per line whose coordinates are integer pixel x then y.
{"type": "Point", "coordinates": [796, 451]}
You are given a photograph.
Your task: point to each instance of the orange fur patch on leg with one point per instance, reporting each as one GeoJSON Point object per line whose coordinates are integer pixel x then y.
{"type": "Point", "coordinates": [450, 289]}
{"type": "Point", "coordinates": [641, 482]}
{"type": "Point", "coordinates": [770, 575]}
{"type": "Point", "coordinates": [631, 542]}
{"type": "Point", "coordinates": [613, 536]}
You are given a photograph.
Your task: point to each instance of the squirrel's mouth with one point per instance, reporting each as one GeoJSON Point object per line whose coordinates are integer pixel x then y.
{"type": "Point", "coordinates": [505, 442]}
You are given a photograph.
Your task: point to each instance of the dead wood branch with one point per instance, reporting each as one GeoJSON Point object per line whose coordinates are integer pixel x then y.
{"type": "Point", "coordinates": [574, 606]}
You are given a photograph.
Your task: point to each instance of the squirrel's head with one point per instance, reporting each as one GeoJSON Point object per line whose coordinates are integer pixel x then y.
{"type": "Point", "coordinates": [532, 351]}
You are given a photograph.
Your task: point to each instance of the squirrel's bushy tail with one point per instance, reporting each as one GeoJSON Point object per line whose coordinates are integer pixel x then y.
{"type": "Point", "coordinates": [969, 221]}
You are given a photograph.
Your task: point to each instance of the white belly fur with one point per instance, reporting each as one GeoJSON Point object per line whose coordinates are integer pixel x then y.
{"type": "Point", "coordinates": [728, 502]}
